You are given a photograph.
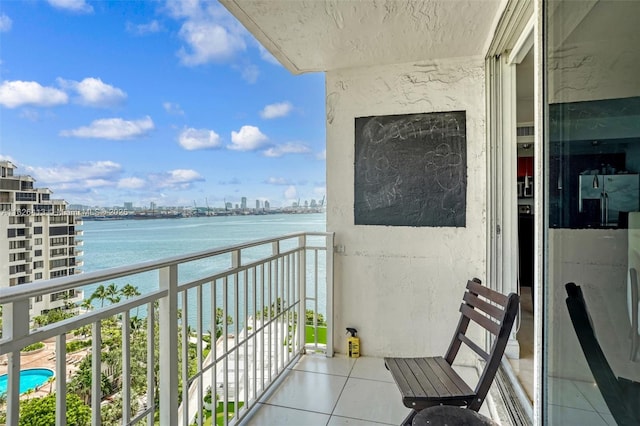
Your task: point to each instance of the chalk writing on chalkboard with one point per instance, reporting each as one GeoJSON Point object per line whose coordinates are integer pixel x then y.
{"type": "Point", "coordinates": [411, 170]}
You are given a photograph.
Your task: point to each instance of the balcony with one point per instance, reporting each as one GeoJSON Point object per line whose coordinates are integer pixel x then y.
{"type": "Point", "coordinates": [253, 295]}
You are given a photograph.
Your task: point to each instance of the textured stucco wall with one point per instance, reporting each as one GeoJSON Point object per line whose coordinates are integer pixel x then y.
{"type": "Point", "coordinates": [401, 286]}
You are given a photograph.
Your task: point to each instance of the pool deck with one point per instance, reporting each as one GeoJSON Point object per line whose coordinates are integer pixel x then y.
{"type": "Point", "coordinates": [45, 358]}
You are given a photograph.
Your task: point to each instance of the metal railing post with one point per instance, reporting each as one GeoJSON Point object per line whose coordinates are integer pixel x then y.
{"type": "Point", "coordinates": [15, 325]}
{"type": "Point", "coordinates": [302, 293]}
{"type": "Point", "coordinates": [61, 381]}
{"type": "Point", "coordinates": [329, 273]}
{"type": "Point", "coordinates": [168, 356]}
{"type": "Point", "coordinates": [96, 372]}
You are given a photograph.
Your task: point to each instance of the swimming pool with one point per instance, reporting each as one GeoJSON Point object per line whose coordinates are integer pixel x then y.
{"type": "Point", "coordinates": [29, 379]}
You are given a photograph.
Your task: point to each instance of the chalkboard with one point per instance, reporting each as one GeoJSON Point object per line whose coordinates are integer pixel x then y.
{"type": "Point", "coordinates": [411, 170]}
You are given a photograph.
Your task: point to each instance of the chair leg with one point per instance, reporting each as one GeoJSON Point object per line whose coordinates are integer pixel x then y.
{"type": "Point", "coordinates": [409, 419]}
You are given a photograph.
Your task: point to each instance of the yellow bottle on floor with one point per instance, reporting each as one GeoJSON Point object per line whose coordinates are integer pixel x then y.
{"type": "Point", "coordinates": [353, 343]}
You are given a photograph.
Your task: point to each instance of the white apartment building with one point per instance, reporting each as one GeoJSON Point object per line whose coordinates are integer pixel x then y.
{"type": "Point", "coordinates": [40, 238]}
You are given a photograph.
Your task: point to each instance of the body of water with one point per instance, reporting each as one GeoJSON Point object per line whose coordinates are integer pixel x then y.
{"type": "Point", "coordinates": [109, 244]}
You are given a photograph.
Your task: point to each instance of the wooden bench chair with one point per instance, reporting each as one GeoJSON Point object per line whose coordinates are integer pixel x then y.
{"type": "Point", "coordinates": [621, 395]}
{"type": "Point", "coordinates": [427, 382]}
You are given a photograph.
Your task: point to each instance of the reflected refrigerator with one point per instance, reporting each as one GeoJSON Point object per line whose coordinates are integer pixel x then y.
{"type": "Point", "coordinates": [603, 197]}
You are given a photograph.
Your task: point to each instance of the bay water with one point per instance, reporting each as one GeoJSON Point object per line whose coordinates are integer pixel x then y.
{"type": "Point", "coordinates": [114, 243]}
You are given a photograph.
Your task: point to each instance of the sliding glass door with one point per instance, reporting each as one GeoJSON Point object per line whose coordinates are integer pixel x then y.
{"type": "Point", "coordinates": [592, 224]}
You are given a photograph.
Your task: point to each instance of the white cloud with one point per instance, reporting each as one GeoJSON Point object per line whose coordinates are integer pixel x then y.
{"type": "Point", "coordinates": [277, 181]}
{"type": "Point", "coordinates": [322, 155]}
{"type": "Point", "coordinates": [250, 73]}
{"type": "Point", "coordinates": [79, 6]}
{"type": "Point", "coordinates": [172, 108]}
{"type": "Point", "coordinates": [208, 42]}
{"type": "Point", "coordinates": [112, 128]}
{"type": "Point", "coordinates": [144, 29]}
{"type": "Point", "coordinates": [7, 158]}
{"type": "Point", "coordinates": [18, 93]}
{"type": "Point", "coordinates": [287, 148]}
{"type": "Point", "coordinates": [193, 139]}
{"type": "Point", "coordinates": [281, 109]}
{"type": "Point", "coordinates": [131, 183]}
{"type": "Point", "coordinates": [249, 138]}
{"type": "Point", "coordinates": [30, 114]}
{"type": "Point", "coordinates": [210, 32]}
{"type": "Point", "coordinates": [184, 8]}
{"type": "Point", "coordinates": [93, 92]}
{"type": "Point", "coordinates": [320, 191]}
{"type": "Point", "coordinates": [176, 179]}
{"type": "Point", "coordinates": [232, 181]}
{"type": "Point", "coordinates": [5, 23]}
{"type": "Point", "coordinates": [93, 172]}
{"type": "Point", "coordinates": [267, 56]}
{"type": "Point", "coordinates": [291, 193]}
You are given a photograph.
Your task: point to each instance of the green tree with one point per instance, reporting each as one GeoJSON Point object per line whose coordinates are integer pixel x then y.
{"type": "Point", "coordinates": [112, 293]}
{"type": "Point", "coordinates": [52, 316]}
{"type": "Point", "coordinates": [319, 317]}
{"type": "Point", "coordinates": [219, 323]}
{"type": "Point", "coordinates": [80, 383]}
{"type": "Point", "coordinates": [86, 305]}
{"type": "Point", "coordinates": [41, 411]}
{"type": "Point", "coordinates": [99, 293]}
{"type": "Point", "coordinates": [129, 291]}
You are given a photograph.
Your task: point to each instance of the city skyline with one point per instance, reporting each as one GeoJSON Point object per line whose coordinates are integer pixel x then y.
{"type": "Point", "coordinates": [166, 102]}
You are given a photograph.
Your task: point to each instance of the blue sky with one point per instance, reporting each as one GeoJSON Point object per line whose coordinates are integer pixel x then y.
{"type": "Point", "coordinates": [164, 101]}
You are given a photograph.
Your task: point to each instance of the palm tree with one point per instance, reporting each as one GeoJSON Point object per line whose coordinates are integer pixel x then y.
{"type": "Point", "coordinates": [112, 293]}
{"type": "Point", "coordinates": [50, 381]}
{"type": "Point", "coordinates": [99, 293]}
{"type": "Point", "coordinates": [29, 393]}
{"type": "Point", "coordinates": [86, 304]}
{"type": "Point", "coordinates": [129, 291]}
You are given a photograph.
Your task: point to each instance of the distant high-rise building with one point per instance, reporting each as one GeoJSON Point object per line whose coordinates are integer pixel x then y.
{"type": "Point", "coordinates": [40, 238]}
{"type": "Point", "coordinates": [257, 204]}
{"type": "Point", "coordinates": [314, 204]}
{"type": "Point", "coordinates": [152, 205]}
{"type": "Point", "coordinates": [128, 206]}
{"type": "Point", "coordinates": [228, 205]}
{"type": "Point", "coordinates": [267, 206]}
{"type": "Point", "coordinates": [243, 203]}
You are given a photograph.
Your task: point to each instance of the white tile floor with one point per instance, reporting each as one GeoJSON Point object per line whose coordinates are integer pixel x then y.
{"type": "Point", "coordinates": [577, 403]}
{"type": "Point", "coordinates": [573, 403]}
{"type": "Point", "coordinates": [337, 391]}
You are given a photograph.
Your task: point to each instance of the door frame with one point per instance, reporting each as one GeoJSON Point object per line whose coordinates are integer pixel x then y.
{"type": "Point", "coordinates": [518, 32]}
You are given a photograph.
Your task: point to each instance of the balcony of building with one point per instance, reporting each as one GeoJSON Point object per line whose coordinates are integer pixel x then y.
{"type": "Point", "coordinates": [266, 366]}
{"type": "Point", "coordinates": [261, 299]}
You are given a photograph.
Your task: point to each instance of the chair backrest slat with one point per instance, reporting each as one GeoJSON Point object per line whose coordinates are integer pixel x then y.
{"type": "Point", "coordinates": [497, 350]}
{"type": "Point", "coordinates": [495, 311]}
{"type": "Point", "coordinates": [477, 288]}
{"type": "Point", "coordinates": [480, 319]}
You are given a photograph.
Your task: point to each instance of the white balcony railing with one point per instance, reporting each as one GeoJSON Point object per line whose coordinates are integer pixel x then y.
{"type": "Point", "coordinates": [255, 296]}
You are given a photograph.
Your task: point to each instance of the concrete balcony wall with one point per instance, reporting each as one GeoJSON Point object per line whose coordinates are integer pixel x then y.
{"type": "Point", "coordinates": [401, 286]}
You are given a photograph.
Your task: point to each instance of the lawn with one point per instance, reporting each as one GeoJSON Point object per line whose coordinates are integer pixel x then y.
{"type": "Point", "coordinates": [220, 413]}
{"type": "Point", "coordinates": [310, 335]}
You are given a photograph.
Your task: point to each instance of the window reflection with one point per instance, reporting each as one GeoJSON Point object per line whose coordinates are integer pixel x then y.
{"type": "Point", "coordinates": [593, 198]}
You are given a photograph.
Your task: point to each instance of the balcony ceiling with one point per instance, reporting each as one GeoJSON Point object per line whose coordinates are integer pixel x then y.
{"type": "Point", "coordinates": [324, 35]}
